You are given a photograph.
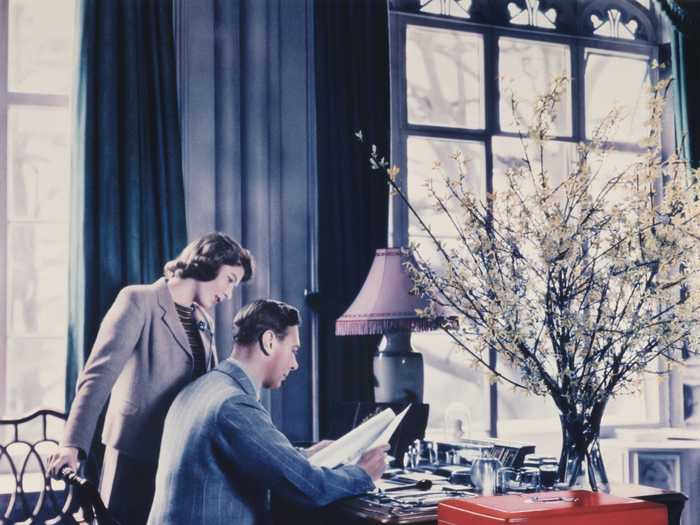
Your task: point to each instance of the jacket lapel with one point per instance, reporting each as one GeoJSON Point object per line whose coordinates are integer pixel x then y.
{"type": "Point", "coordinates": [170, 318]}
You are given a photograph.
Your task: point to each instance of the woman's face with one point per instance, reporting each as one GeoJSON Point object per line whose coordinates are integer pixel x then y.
{"type": "Point", "coordinates": [210, 293]}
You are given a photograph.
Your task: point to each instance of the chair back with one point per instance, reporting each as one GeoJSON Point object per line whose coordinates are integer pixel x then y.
{"type": "Point", "coordinates": [27, 494]}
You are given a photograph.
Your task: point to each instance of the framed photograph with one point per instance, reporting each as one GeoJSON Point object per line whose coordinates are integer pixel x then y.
{"type": "Point", "coordinates": [657, 469]}
{"type": "Point", "coordinates": [691, 391]}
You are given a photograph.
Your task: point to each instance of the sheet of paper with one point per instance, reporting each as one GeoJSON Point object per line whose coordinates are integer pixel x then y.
{"type": "Point", "coordinates": [349, 447]}
{"type": "Point", "coordinates": [384, 438]}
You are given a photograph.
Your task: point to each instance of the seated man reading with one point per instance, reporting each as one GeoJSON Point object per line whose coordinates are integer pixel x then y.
{"type": "Point", "coordinates": [221, 452]}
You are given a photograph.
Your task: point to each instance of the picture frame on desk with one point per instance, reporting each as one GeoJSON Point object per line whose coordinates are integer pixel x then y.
{"type": "Point", "coordinates": [657, 469]}
{"type": "Point", "coordinates": [691, 391]}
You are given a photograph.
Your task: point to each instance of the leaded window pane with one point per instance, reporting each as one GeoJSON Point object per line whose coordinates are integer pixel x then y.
{"type": "Point", "coordinates": [444, 77]}
{"type": "Point", "coordinates": [41, 46]}
{"type": "Point", "coordinates": [38, 375]}
{"type": "Point", "coordinates": [556, 159]}
{"type": "Point", "coordinates": [38, 163]}
{"type": "Point", "coordinates": [617, 79]}
{"type": "Point", "coordinates": [453, 379]}
{"type": "Point", "coordinates": [526, 68]}
{"type": "Point", "coordinates": [428, 159]}
{"type": "Point", "coordinates": [37, 288]}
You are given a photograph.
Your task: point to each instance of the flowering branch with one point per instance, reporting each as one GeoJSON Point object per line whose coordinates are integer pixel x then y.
{"type": "Point", "coordinates": [579, 280]}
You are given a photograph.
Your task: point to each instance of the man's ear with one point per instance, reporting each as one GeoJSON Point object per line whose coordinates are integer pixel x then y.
{"type": "Point", "coordinates": [268, 337]}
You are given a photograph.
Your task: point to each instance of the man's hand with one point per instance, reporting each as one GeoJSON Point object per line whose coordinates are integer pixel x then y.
{"type": "Point", "coordinates": [373, 461]}
{"type": "Point", "coordinates": [63, 457]}
{"type": "Point", "coordinates": [315, 448]}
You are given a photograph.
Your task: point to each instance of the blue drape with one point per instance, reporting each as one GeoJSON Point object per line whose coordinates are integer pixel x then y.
{"type": "Point", "coordinates": [352, 93]}
{"type": "Point", "coordinates": [685, 47]}
{"type": "Point", "coordinates": [128, 210]}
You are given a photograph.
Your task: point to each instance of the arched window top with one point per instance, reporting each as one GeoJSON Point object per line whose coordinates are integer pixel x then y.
{"type": "Point", "coordinates": [617, 19]}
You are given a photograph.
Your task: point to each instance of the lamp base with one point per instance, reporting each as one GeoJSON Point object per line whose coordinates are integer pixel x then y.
{"type": "Point", "coordinates": [398, 371]}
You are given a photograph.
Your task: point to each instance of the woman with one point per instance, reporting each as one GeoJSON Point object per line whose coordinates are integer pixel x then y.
{"type": "Point", "coordinates": [154, 340]}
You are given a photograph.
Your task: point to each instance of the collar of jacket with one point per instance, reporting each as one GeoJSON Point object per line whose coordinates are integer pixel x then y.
{"type": "Point", "coordinates": [205, 324]}
{"type": "Point", "coordinates": [236, 373]}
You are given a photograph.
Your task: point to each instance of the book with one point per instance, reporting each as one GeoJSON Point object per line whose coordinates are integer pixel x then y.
{"type": "Point", "coordinates": [347, 449]}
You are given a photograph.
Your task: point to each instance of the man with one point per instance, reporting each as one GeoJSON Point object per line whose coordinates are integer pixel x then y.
{"type": "Point", "coordinates": [221, 452]}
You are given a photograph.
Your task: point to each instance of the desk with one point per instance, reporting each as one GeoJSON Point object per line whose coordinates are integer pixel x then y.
{"type": "Point", "coordinates": [355, 511]}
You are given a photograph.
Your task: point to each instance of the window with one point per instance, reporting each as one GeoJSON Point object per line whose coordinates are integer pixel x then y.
{"type": "Point", "coordinates": [452, 63]}
{"type": "Point", "coordinates": [36, 74]}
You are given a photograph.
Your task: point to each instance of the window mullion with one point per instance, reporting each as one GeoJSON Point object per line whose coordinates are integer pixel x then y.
{"type": "Point", "coordinates": [399, 120]}
{"type": "Point", "coordinates": [492, 123]}
{"type": "Point", "coordinates": [4, 53]}
{"type": "Point", "coordinates": [578, 96]}
{"type": "Point", "coordinates": [36, 99]}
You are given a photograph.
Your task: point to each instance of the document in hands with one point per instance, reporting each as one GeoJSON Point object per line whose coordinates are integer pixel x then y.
{"type": "Point", "coordinates": [371, 433]}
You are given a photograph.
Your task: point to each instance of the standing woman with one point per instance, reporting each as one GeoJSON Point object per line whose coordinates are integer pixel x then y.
{"type": "Point", "coordinates": [154, 340]}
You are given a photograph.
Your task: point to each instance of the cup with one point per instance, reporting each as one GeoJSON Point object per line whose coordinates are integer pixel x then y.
{"type": "Point", "coordinates": [529, 478]}
{"type": "Point", "coordinates": [505, 478]}
{"type": "Point", "coordinates": [484, 470]}
{"type": "Point", "coordinates": [548, 475]}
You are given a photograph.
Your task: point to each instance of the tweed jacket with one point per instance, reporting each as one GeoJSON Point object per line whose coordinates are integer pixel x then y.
{"type": "Point", "coordinates": [221, 453]}
{"type": "Point", "coordinates": [143, 357]}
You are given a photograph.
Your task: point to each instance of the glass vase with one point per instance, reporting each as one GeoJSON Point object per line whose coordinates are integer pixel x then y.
{"type": "Point", "coordinates": [581, 463]}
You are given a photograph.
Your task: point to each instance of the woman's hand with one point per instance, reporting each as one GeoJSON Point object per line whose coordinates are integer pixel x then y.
{"type": "Point", "coordinates": [63, 457]}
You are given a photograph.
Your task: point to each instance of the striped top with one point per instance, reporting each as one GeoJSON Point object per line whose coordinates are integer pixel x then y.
{"type": "Point", "coordinates": [188, 322]}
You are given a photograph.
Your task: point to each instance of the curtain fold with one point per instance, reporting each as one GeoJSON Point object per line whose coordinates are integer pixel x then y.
{"type": "Point", "coordinates": [352, 93]}
{"type": "Point", "coordinates": [685, 50]}
{"type": "Point", "coordinates": [245, 82]}
{"type": "Point", "coordinates": [128, 208]}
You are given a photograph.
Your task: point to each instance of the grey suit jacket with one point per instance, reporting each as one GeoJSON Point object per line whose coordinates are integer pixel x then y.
{"type": "Point", "coordinates": [142, 356]}
{"type": "Point", "coordinates": [221, 453]}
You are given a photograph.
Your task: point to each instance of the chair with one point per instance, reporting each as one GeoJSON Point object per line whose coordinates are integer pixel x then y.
{"type": "Point", "coordinates": [27, 494]}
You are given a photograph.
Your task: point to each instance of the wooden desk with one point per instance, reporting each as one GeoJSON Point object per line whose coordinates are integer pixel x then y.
{"type": "Point", "coordinates": [356, 511]}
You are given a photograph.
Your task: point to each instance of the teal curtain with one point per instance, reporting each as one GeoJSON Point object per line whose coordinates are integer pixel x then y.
{"type": "Point", "coordinates": [684, 17]}
{"type": "Point", "coordinates": [128, 211]}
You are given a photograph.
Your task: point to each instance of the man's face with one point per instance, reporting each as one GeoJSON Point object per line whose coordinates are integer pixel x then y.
{"type": "Point", "coordinates": [209, 293]}
{"type": "Point", "coordinates": [283, 358]}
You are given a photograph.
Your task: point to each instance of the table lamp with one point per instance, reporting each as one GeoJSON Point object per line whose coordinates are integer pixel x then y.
{"type": "Point", "coordinates": [386, 306]}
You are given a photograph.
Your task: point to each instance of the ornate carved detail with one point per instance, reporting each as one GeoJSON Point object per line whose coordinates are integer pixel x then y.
{"type": "Point", "coordinates": [615, 19]}
{"type": "Point", "coordinates": [624, 19]}
{"type": "Point", "coordinates": [451, 8]}
{"type": "Point", "coordinates": [532, 14]}
{"type": "Point", "coordinates": [613, 26]}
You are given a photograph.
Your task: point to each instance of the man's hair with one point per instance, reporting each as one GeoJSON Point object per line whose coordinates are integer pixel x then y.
{"type": "Point", "coordinates": [203, 258]}
{"type": "Point", "coordinates": [256, 318]}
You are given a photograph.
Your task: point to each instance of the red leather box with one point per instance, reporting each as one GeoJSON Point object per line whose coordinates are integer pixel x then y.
{"type": "Point", "coordinates": [570, 507]}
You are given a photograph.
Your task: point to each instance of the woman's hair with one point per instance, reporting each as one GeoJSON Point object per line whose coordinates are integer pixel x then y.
{"type": "Point", "coordinates": [203, 258]}
{"type": "Point", "coordinates": [256, 318]}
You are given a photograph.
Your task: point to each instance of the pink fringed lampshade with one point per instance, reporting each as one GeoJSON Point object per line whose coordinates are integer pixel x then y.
{"type": "Point", "coordinates": [384, 304]}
